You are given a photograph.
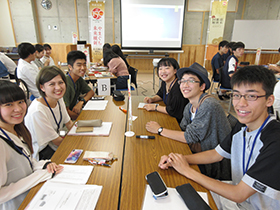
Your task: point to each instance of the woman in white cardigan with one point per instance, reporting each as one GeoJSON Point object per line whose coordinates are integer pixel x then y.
{"type": "Point", "coordinates": [19, 171]}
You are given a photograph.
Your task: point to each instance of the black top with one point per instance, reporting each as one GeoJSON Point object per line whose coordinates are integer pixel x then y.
{"type": "Point", "coordinates": [175, 101]}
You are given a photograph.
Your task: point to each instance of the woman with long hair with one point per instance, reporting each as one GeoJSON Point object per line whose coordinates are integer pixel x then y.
{"type": "Point", "coordinates": [48, 114]}
{"type": "Point", "coordinates": [19, 171]}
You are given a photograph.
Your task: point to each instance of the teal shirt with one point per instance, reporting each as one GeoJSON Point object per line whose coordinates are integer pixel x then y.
{"type": "Point", "coordinates": [71, 96]}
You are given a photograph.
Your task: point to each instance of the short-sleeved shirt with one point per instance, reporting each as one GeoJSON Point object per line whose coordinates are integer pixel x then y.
{"type": "Point", "coordinates": [73, 92]}
{"type": "Point", "coordinates": [278, 63]}
{"type": "Point", "coordinates": [38, 63]}
{"type": "Point", "coordinates": [42, 126]}
{"type": "Point", "coordinates": [217, 62]}
{"type": "Point", "coordinates": [229, 68]}
{"type": "Point", "coordinates": [264, 167]}
{"type": "Point", "coordinates": [174, 101]}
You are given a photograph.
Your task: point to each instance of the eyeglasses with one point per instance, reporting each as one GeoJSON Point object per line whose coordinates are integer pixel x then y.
{"type": "Point", "coordinates": [188, 81]}
{"type": "Point", "coordinates": [247, 97]}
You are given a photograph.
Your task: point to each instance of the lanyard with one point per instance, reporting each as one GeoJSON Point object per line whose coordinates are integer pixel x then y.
{"type": "Point", "coordinates": [74, 87]}
{"type": "Point", "coordinates": [19, 149]}
{"type": "Point", "coordinates": [253, 145]}
{"type": "Point", "coordinates": [57, 123]}
{"type": "Point", "coordinates": [165, 95]}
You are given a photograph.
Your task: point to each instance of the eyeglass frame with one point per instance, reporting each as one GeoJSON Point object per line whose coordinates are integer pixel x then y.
{"type": "Point", "coordinates": [188, 81]}
{"type": "Point", "coordinates": [246, 95]}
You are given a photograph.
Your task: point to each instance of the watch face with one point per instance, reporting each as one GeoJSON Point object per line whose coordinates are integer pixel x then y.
{"type": "Point", "coordinates": [160, 130]}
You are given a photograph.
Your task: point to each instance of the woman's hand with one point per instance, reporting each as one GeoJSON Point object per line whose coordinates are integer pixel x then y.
{"type": "Point", "coordinates": [53, 168]}
{"type": "Point", "coordinates": [152, 126]}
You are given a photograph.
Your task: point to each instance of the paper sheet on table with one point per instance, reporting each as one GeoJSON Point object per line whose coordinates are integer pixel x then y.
{"type": "Point", "coordinates": [141, 105]}
{"type": "Point", "coordinates": [96, 105]}
{"type": "Point", "coordinates": [61, 196]}
{"type": "Point", "coordinates": [172, 201]}
{"type": "Point", "coordinates": [73, 174]}
{"type": "Point", "coordinates": [133, 118]}
{"type": "Point", "coordinates": [104, 130]}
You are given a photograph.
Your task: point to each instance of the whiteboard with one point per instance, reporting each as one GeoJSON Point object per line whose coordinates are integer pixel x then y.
{"type": "Point", "coordinates": [257, 33]}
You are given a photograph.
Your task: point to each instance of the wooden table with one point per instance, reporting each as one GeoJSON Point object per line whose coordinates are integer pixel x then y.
{"type": "Point", "coordinates": [124, 183]}
{"type": "Point", "coordinates": [142, 157]}
{"type": "Point", "coordinates": [109, 178]}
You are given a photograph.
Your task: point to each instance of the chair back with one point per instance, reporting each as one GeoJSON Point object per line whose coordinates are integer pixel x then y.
{"type": "Point", "coordinates": [232, 120]}
{"type": "Point", "coordinates": [3, 70]}
{"type": "Point", "coordinates": [133, 72]}
{"type": "Point", "coordinates": [24, 87]}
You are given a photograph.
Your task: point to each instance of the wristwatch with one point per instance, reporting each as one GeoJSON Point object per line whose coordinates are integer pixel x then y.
{"type": "Point", "coordinates": [156, 107]}
{"type": "Point", "coordinates": [160, 130]}
{"type": "Point", "coordinates": [83, 100]}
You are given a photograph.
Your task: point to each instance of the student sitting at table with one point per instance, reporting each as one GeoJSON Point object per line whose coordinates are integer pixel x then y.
{"type": "Point", "coordinates": [47, 59]}
{"type": "Point", "coordinates": [169, 91]}
{"type": "Point", "coordinates": [204, 122]}
{"type": "Point", "coordinates": [19, 171]}
{"type": "Point", "coordinates": [39, 53]}
{"type": "Point", "coordinates": [253, 148]}
{"type": "Point", "coordinates": [26, 69]}
{"type": "Point", "coordinates": [116, 49]}
{"type": "Point", "coordinates": [117, 67]}
{"type": "Point", "coordinates": [47, 114]}
{"type": "Point", "coordinates": [76, 85]}
{"type": "Point", "coordinates": [9, 64]}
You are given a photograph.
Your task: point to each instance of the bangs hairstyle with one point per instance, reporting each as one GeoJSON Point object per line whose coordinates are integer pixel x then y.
{"type": "Point", "coordinates": [75, 55]}
{"type": "Point", "coordinates": [250, 75]}
{"type": "Point", "coordinates": [168, 62]}
{"type": "Point", "coordinates": [10, 92]}
{"type": "Point", "coordinates": [46, 74]}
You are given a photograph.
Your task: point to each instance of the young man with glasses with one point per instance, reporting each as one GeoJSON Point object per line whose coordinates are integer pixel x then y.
{"type": "Point", "coordinates": [253, 147]}
{"type": "Point", "coordinates": [204, 122]}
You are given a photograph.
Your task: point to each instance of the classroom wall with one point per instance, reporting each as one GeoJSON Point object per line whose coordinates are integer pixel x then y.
{"type": "Point", "coordinates": [34, 24]}
{"type": "Point", "coordinates": [6, 35]}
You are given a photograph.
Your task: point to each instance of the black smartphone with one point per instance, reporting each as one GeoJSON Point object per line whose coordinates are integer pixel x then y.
{"type": "Point", "coordinates": [157, 185]}
{"type": "Point", "coordinates": [98, 98]}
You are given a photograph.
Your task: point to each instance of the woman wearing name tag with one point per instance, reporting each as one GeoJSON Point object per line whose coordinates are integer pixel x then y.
{"type": "Point", "coordinates": [19, 171]}
{"type": "Point", "coordinates": [47, 114]}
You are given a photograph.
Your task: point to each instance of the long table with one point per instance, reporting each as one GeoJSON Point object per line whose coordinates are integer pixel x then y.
{"type": "Point", "coordinates": [124, 182]}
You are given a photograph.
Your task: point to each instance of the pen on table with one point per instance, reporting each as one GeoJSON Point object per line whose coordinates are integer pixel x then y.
{"type": "Point", "coordinates": [124, 110]}
{"type": "Point", "coordinates": [145, 137]}
{"type": "Point", "coordinates": [104, 164]}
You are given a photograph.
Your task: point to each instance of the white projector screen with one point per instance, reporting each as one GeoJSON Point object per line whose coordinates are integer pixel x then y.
{"type": "Point", "coordinates": [152, 24]}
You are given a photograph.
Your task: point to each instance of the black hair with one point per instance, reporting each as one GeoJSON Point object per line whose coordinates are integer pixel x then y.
{"type": "Point", "coordinates": [75, 55]}
{"type": "Point", "coordinates": [46, 46]}
{"type": "Point", "coordinates": [230, 44]}
{"type": "Point", "coordinates": [25, 49]}
{"type": "Point", "coordinates": [39, 48]}
{"type": "Point", "coordinates": [223, 43]}
{"type": "Point", "coordinates": [108, 55]}
{"type": "Point", "coordinates": [106, 46]}
{"type": "Point", "coordinates": [46, 74]}
{"type": "Point", "coordinates": [168, 62]}
{"type": "Point", "coordinates": [10, 92]}
{"type": "Point", "coordinates": [255, 75]}
{"type": "Point", "coordinates": [238, 45]}
{"type": "Point", "coordinates": [116, 49]}
{"type": "Point", "coordinates": [279, 49]}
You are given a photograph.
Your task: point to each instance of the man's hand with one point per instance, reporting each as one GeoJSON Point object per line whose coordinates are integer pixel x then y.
{"type": "Point", "coordinates": [78, 107]}
{"type": "Point", "coordinates": [148, 100]}
{"type": "Point", "coordinates": [152, 126]}
{"type": "Point", "coordinates": [179, 163]}
{"type": "Point", "coordinates": [163, 163]}
{"type": "Point", "coordinates": [150, 107]}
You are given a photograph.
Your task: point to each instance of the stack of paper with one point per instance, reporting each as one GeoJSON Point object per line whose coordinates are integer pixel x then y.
{"type": "Point", "coordinates": [104, 130]}
{"type": "Point", "coordinates": [96, 105]}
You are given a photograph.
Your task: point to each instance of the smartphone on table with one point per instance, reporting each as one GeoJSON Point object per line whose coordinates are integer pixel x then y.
{"type": "Point", "coordinates": [157, 185]}
{"type": "Point", "coordinates": [73, 156]}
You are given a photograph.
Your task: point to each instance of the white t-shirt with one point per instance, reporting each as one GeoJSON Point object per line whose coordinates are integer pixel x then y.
{"type": "Point", "coordinates": [28, 73]}
{"type": "Point", "coordinates": [8, 62]}
{"type": "Point", "coordinates": [42, 126]}
{"type": "Point", "coordinates": [44, 58]}
{"type": "Point", "coordinates": [17, 177]}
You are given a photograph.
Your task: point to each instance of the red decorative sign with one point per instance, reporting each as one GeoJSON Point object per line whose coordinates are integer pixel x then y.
{"type": "Point", "coordinates": [97, 13]}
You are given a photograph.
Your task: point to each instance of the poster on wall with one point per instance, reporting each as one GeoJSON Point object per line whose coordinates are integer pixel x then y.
{"type": "Point", "coordinates": [217, 22]}
{"type": "Point", "coordinates": [96, 28]}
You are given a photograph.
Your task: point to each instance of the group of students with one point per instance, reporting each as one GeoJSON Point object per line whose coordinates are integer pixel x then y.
{"type": "Point", "coordinates": [245, 156]}
{"type": "Point", "coordinates": [239, 165]}
{"type": "Point", "coordinates": [224, 64]}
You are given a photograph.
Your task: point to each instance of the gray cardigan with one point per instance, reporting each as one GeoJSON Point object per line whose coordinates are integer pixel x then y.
{"type": "Point", "coordinates": [209, 127]}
